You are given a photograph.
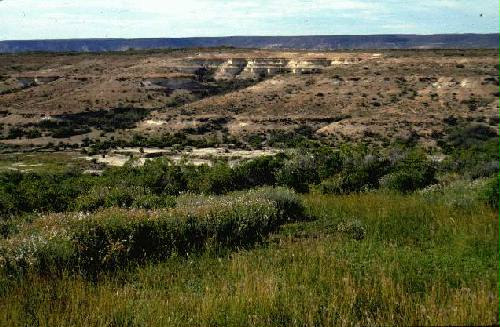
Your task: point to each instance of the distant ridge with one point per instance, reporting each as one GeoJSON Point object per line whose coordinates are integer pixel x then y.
{"type": "Point", "coordinates": [319, 42]}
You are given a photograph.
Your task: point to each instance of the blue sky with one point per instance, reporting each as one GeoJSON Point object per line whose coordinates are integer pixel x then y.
{"type": "Point", "coordinates": [50, 19]}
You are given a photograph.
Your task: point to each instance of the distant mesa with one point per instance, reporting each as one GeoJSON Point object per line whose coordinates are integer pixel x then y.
{"type": "Point", "coordinates": [317, 42]}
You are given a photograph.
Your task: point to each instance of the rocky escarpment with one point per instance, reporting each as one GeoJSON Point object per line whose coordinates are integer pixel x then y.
{"type": "Point", "coordinates": [190, 73]}
{"type": "Point", "coordinates": [187, 74]}
{"type": "Point", "coordinates": [252, 68]}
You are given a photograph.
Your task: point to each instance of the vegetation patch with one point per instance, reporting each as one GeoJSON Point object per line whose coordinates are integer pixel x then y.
{"type": "Point", "coordinates": [491, 192]}
{"type": "Point", "coordinates": [109, 239]}
{"type": "Point", "coordinates": [372, 258]}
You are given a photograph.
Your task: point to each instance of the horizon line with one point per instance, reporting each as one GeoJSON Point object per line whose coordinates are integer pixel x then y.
{"type": "Point", "coordinates": [248, 36]}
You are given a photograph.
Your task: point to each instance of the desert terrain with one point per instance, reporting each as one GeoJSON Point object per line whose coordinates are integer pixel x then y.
{"type": "Point", "coordinates": [376, 96]}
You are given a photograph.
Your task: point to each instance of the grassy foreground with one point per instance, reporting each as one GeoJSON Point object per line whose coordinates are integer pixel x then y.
{"type": "Point", "coordinates": [368, 259]}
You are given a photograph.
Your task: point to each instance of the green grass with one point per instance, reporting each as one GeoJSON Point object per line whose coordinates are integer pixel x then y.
{"type": "Point", "coordinates": [418, 262]}
{"type": "Point", "coordinates": [39, 162]}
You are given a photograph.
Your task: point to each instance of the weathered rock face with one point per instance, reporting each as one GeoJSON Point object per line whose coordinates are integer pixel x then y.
{"type": "Point", "coordinates": [227, 68]}
{"type": "Point", "coordinates": [261, 67]}
{"type": "Point", "coordinates": [230, 68]}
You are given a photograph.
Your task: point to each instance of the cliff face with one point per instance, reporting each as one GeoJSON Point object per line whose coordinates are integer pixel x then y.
{"type": "Point", "coordinates": [252, 68]}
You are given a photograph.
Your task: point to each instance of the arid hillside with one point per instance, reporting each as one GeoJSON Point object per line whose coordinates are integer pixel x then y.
{"type": "Point", "coordinates": [378, 96]}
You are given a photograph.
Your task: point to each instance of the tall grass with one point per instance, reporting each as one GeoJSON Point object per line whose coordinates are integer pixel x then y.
{"type": "Point", "coordinates": [419, 262]}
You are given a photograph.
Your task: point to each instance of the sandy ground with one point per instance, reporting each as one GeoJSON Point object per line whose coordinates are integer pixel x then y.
{"type": "Point", "coordinates": [196, 156]}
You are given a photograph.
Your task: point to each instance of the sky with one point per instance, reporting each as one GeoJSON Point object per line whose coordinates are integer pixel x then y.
{"type": "Point", "coordinates": [61, 19]}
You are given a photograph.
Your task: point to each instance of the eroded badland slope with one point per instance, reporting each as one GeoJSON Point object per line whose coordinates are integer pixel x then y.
{"type": "Point", "coordinates": [377, 96]}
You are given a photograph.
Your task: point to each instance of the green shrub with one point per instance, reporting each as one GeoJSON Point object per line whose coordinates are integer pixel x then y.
{"type": "Point", "coordinates": [353, 229]}
{"type": "Point", "coordinates": [15, 132]}
{"type": "Point", "coordinates": [298, 172]}
{"type": "Point", "coordinates": [8, 202]}
{"type": "Point", "coordinates": [31, 192]}
{"type": "Point", "coordinates": [288, 203]}
{"type": "Point", "coordinates": [121, 197]}
{"type": "Point", "coordinates": [467, 135]}
{"type": "Point", "coordinates": [328, 161]}
{"type": "Point", "coordinates": [255, 141]}
{"type": "Point", "coordinates": [345, 182]}
{"type": "Point", "coordinates": [404, 181]}
{"type": "Point", "coordinates": [413, 172]}
{"type": "Point", "coordinates": [113, 238]}
{"type": "Point", "coordinates": [152, 201]}
{"type": "Point", "coordinates": [258, 172]}
{"type": "Point", "coordinates": [48, 192]}
{"type": "Point", "coordinates": [472, 150]}
{"type": "Point", "coordinates": [464, 194]}
{"type": "Point", "coordinates": [91, 201]}
{"type": "Point", "coordinates": [217, 179]}
{"type": "Point", "coordinates": [359, 174]}
{"type": "Point", "coordinates": [162, 176]}
{"type": "Point", "coordinates": [33, 133]}
{"type": "Point", "coordinates": [68, 131]}
{"type": "Point", "coordinates": [490, 192]}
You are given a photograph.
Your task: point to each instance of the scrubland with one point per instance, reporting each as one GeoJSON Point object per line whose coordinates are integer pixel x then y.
{"type": "Point", "coordinates": [357, 236]}
{"type": "Point", "coordinates": [376, 206]}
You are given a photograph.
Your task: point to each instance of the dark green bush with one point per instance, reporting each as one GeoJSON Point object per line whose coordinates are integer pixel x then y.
{"type": "Point", "coordinates": [68, 131]}
{"type": "Point", "coordinates": [8, 203]}
{"type": "Point", "coordinates": [258, 172]}
{"type": "Point", "coordinates": [9, 199]}
{"type": "Point", "coordinates": [15, 132]}
{"type": "Point", "coordinates": [328, 161]}
{"type": "Point", "coordinates": [217, 179]}
{"type": "Point", "coordinates": [33, 133]}
{"type": "Point", "coordinates": [472, 150]}
{"type": "Point", "coordinates": [413, 172]}
{"type": "Point", "coordinates": [359, 173]}
{"type": "Point", "coordinates": [407, 180]}
{"type": "Point", "coordinates": [490, 194]}
{"type": "Point", "coordinates": [288, 203]}
{"type": "Point", "coordinates": [153, 201]}
{"type": "Point", "coordinates": [255, 141]}
{"type": "Point", "coordinates": [345, 182]}
{"type": "Point", "coordinates": [163, 177]}
{"type": "Point", "coordinates": [298, 172]}
{"type": "Point", "coordinates": [47, 192]}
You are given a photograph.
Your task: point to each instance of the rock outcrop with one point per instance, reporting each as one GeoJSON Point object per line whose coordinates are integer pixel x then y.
{"type": "Point", "coordinates": [262, 67]}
